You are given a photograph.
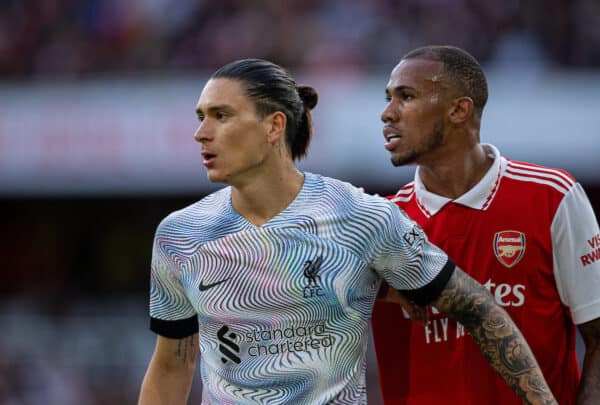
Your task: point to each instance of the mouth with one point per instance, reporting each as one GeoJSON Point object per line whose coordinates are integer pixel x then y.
{"type": "Point", "coordinates": [208, 159]}
{"type": "Point", "coordinates": [392, 136]}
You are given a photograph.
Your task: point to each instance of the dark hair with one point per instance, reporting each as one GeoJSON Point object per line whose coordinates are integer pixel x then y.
{"type": "Point", "coordinates": [466, 74]}
{"type": "Point", "coordinates": [272, 89]}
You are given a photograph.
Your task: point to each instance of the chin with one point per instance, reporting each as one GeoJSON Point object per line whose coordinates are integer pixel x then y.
{"type": "Point", "coordinates": [214, 177]}
{"type": "Point", "coordinates": [403, 160]}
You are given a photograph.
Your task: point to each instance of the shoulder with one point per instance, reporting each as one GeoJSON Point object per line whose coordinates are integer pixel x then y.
{"type": "Point", "coordinates": [352, 195]}
{"type": "Point", "coordinates": [355, 206]}
{"type": "Point", "coordinates": [196, 217]}
{"type": "Point", "coordinates": [536, 177]}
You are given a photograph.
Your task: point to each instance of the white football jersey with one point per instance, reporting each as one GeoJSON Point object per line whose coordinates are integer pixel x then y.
{"type": "Point", "coordinates": [283, 309]}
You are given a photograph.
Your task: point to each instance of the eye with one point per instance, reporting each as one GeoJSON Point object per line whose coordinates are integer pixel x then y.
{"type": "Point", "coordinates": [388, 98]}
{"type": "Point", "coordinates": [407, 96]}
{"type": "Point", "coordinates": [200, 117]}
{"type": "Point", "coordinates": [220, 116]}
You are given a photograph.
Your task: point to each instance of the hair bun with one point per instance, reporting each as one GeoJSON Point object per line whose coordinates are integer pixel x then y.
{"type": "Point", "coordinates": [308, 95]}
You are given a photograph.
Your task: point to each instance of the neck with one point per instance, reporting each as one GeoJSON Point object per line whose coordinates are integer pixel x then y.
{"type": "Point", "coordinates": [456, 171]}
{"type": "Point", "coordinates": [263, 197]}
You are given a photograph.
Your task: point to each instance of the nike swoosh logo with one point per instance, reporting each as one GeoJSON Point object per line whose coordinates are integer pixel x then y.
{"type": "Point", "coordinates": [204, 287]}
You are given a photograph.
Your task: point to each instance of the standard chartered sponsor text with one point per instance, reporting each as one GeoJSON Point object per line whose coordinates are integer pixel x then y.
{"type": "Point", "coordinates": [270, 342]}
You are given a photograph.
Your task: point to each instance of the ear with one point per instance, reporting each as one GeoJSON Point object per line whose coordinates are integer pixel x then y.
{"type": "Point", "coordinates": [276, 124]}
{"type": "Point", "coordinates": [461, 110]}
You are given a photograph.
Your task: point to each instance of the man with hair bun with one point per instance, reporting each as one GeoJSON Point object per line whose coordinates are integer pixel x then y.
{"type": "Point", "coordinates": [526, 232]}
{"type": "Point", "coordinates": [273, 278]}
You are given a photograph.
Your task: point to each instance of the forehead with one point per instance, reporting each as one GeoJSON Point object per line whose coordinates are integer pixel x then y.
{"type": "Point", "coordinates": [223, 92]}
{"type": "Point", "coordinates": [420, 74]}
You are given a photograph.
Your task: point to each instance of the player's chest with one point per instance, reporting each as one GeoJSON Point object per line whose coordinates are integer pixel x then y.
{"type": "Point", "coordinates": [275, 273]}
{"type": "Point", "coordinates": [508, 251]}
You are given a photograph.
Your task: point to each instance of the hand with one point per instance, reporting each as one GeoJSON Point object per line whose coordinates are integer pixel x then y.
{"type": "Point", "coordinates": [414, 311]}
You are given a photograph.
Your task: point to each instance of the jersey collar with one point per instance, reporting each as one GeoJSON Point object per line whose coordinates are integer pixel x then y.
{"type": "Point", "coordinates": [479, 197]}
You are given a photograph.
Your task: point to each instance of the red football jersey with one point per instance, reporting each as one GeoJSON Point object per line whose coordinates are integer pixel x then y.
{"type": "Point", "coordinates": [529, 235]}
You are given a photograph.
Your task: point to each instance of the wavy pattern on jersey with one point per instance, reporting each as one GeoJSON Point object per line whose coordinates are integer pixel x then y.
{"type": "Point", "coordinates": [352, 218]}
{"type": "Point", "coordinates": [281, 302]}
{"type": "Point", "coordinates": [264, 281]}
{"type": "Point", "coordinates": [420, 260]}
{"type": "Point", "coordinates": [297, 381]}
{"type": "Point", "coordinates": [167, 298]}
{"type": "Point", "coordinates": [208, 219]}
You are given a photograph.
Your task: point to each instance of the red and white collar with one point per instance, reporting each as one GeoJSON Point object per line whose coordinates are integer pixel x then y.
{"type": "Point", "coordinates": [479, 197]}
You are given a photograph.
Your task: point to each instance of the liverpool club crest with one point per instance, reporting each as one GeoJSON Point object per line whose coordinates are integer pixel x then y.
{"type": "Point", "coordinates": [509, 247]}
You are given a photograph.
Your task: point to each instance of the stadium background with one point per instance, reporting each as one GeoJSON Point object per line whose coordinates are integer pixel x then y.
{"type": "Point", "coordinates": [96, 121]}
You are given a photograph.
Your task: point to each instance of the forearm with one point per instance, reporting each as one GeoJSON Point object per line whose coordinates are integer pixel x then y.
{"type": "Point", "coordinates": [164, 387]}
{"type": "Point", "coordinates": [589, 387]}
{"type": "Point", "coordinates": [497, 336]}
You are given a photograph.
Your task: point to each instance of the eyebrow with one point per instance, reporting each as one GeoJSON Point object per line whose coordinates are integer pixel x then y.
{"type": "Point", "coordinates": [214, 108]}
{"type": "Point", "coordinates": [398, 89]}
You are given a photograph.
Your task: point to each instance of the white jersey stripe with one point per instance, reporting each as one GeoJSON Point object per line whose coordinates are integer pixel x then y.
{"type": "Point", "coordinates": [542, 172]}
{"type": "Point", "coordinates": [402, 198]}
{"type": "Point", "coordinates": [544, 177]}
{"type": "Point", "coordinates": [531, 179]}
{"type": "Point", "coordinates": [407, 189]}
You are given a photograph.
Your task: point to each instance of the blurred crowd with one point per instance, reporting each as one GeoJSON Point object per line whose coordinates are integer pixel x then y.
{"type": "Point", "coordinates": [69, 336]}
{"type": "Point", "coordinates": [74, 38]}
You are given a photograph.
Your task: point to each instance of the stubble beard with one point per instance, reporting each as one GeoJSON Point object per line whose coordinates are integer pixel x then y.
{"type": "Point", "coordinates": [434, 140]}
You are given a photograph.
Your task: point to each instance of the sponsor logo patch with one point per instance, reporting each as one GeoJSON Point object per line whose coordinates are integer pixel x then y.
{"type": "Point", "coordinates": [509, 247]}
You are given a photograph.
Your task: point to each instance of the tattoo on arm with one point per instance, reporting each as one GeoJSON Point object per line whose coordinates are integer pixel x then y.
{"type": "Point", "coordinates": [589, 387]}
{"type": "Point", "coordinates": [187, 348]}
{"type": "Point", "coordinates": [496, 335]}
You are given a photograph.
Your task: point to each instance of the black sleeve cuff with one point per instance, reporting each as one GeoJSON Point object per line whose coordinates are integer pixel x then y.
{"type": "Point", "coordinates": [175, 329]}
{"type": "Point", "coordinates": [429, 292]}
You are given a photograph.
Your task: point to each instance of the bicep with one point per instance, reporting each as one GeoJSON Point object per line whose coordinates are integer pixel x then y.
{"type": "Point", "coordinates": [176, 354]}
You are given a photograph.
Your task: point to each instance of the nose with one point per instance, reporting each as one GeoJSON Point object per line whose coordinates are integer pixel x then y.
{"type": "Point", "coordinates": [389, 114]}
{"type": "Point", "coordinates": [201, 133]}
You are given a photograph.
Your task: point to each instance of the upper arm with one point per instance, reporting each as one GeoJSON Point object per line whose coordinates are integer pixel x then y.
{"type": "Point", "coordinates": [402, 254]}
{"type": "Point", "coordinates": [176, 354]}
{"type": "Point", "coordinates": [590, 332]}
{"type": "Point", "coordinates": [171, 312]}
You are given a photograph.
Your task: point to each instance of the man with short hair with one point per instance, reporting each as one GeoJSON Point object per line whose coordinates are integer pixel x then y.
{"type": "Point", "coordinates": [528, 233]}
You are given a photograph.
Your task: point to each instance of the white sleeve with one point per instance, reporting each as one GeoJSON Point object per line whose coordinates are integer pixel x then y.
{"type": "Point", "coordinates": [576, 255]}
{"type": "Point", "coordinates": [168, 300]}
{"type": "Point", "coordinates": [406, 259]}
{"type": "Point", "coordinates": [171, 313]}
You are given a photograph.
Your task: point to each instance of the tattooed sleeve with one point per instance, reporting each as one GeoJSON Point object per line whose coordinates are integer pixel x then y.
{"type": "Point", "coordinates": [496, 335]}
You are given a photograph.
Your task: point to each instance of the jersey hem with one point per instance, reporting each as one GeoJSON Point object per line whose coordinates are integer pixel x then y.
{"type": "Point", "coordinates": [586, 313]}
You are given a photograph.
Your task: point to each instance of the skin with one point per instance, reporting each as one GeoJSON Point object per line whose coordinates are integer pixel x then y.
{"type": "Point", "coordinates": [496, 335]}
{"type": "Point", "coordinates": [249, 153]}
{"type": "Point", "coordinates": [439, 131]}
{"type": "Point", "coordinates": [168, 379]}
{"type": "Point", "coordinates": [589, 387]}
{"type": "Point", "coordinates": [245, 151]}
{"type": "Point", "coordinates": [436, 131]}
